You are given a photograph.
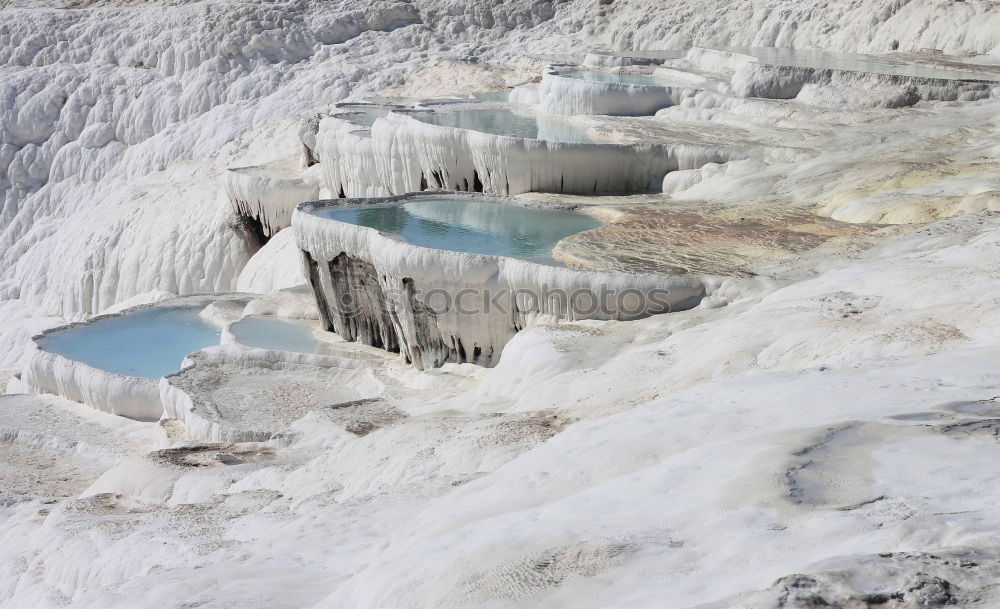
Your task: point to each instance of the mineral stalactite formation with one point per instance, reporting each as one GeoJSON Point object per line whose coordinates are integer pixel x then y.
{"type": "Point", "coordinates": [402, 154]}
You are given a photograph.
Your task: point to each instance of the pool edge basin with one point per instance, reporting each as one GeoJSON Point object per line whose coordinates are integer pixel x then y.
{"type": "Point", "coordinates": [134, 397]}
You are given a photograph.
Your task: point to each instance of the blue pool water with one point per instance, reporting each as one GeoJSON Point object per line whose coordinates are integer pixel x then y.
{"type": "Point", "coordinates": [292, 335]}
{"type": "Point", "coordinates": [146, 343]}
{"type": "Point", "coordinates": [274, 333]}
{"type": "Point", "coordinates": [364, 116]}
{"type": "Point", "coordinates": [471, 226]}
{"type": "Point", "coordinates": [503, 121]}
{"type": "Point", "coordinates": [627, 79]}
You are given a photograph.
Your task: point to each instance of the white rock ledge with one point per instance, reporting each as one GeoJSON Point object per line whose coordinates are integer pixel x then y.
{"type": "Point", "coordinates": [127, 396]}
{"type": "Point", "coordinates": [565, 95]}
{"type": "Point", "coordinates": [786, 82]}
{"type": "Point", "coordinates": [401, 154]}
{"type": "Point", "coordinates": [609, 60]}
{"type": "Point", "coordinates": [266, 196]}
{"type": "Point", "coordinates": [752, 77]}
{"type": "Point", "coordinates": [436, 306]}
{"type": "Point", "coordinates": [234, 393]}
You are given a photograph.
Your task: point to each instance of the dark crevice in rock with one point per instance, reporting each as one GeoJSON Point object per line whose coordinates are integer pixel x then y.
{"type": "Point", "coordinates": [322, 306]}
{"type": "Point", "coordinates": [359, 311]}
{"type": "Point", "coordinates": [311, 158]}
{"type": "Point", "coordinates": [848, 508]}
{"type": "Point", "coordinates": [253, 229]}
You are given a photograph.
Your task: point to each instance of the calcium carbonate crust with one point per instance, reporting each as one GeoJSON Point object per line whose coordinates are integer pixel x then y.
{"type": "Point", "coordinates": [192, 396]}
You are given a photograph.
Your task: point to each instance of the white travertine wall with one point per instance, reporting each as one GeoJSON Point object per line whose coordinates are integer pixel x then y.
{"type": "Point", "coordinates": [401, 154]}
{"type": "Point", "coordinates": [607, 60]}
{"type": "Point", "coordinates": [347, 159]}
{"type": "Point", "coordinates": [573, 96]}
{"type": "Point", "coordinates": [127, 396]}
{"type": "Point", "coordinates": [751, 77]}
{"type": "Point", "coordinates": [268, 195]}
{"type": "Point", "coordinates": [786, 82]}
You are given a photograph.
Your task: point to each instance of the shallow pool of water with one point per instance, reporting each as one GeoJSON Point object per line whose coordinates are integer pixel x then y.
{"type": "Point", "coordinates": [364, 116]}
{"type": "Point", "coordinates": [503, 121]}
{"type": "Point", "coordinates": [808, 58]}
{"type": "Point", "coordinates": [626, 79]}
{"type": "Point", "coordinates": [280, 334]}
{"type": "Point", "coordinates": [471, 226]}
{"type": "Point", "coordinates": [146, 343]}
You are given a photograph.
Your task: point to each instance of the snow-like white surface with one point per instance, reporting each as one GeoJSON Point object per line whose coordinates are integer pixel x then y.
{"type": "Point", "coordinates": [276, 266]}
{"type": "Point", "coordinates": [785, 452]}
{"type": "Point", "coordinates": [236, 394]}
{"type": "Point", "coordinates": [823, 432]}
{"type": "Point", "coordinates": [867, 26]}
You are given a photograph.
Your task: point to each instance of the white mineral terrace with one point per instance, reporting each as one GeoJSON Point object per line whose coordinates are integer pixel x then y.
{"type": "Point", "coordinates": [437, 306]}
{"type": "Point", "coordinates": [499, 304]}
{"type": "Point", "coordinates": [116, 362]}
{"type": "Point", "coordinates": [265, 197]}
{"type": "Point", "coordinates": [113, 362]}
{"type": "Point", "coordinates": [404, 153]}
{"type": "Point", "coordinates": [238, 395]}
{"type": "Point", "coordinates": [571, 91]}
{"type": "Point", "coordinates": [824, 79]}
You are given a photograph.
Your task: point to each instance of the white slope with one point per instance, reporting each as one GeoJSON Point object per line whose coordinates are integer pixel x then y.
{"type": "Point", "coordinates": [738, 452]}
{"type": "Point", "coordinates": [823, 433]}
{"type": "Point", "coordinates": [865, 26]}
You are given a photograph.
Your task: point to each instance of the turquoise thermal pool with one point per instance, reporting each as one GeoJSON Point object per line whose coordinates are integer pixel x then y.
{"type": "Point", "coordinates": [279, 334]}
{"type": "Point", "coordinates": [145, 343]}
{"type": "Point", "coordinates": [503, 121]}
{"type": "Point", "coordinates": [363, 116]}
{"type": "Point", "coordinates": [470, 226]}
